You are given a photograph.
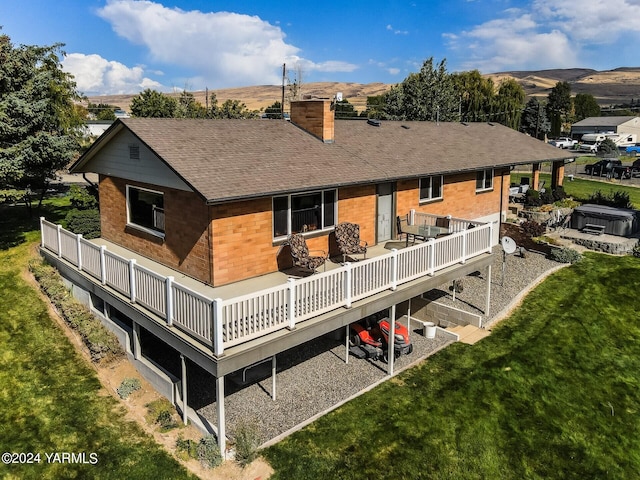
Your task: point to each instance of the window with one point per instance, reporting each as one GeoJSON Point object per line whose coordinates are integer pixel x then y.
{"type": "Point", "coordinates": [145, 209]}
{"type": "Point", "coordinates": [484, 180]}
{"type": "Point", "coordinates": [430, 188]}
{"type": "Point", "coordinates": [304, 212]}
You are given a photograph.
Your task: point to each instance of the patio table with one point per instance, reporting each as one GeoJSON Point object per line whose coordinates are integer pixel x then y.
{"type": "Point", "coordinates": [423, 231]}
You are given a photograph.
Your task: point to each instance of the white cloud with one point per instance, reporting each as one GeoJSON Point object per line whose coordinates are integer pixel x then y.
{"type": "Point", "coordinates": [549, 34]}
{"type": "Point", "coordinates": [95, 75]}
{"type": "Point", "coordinates": [226, 49]}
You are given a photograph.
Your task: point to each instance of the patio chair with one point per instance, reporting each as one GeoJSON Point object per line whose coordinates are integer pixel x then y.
{"type": "Point", "coordinates": [443, 222]}
{"type": "Point", "coordinates": [301, 254]}
{"type": "Point", "coordinates": [348, 240]}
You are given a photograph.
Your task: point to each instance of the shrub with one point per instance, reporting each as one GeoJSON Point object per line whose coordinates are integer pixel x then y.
{"type": "Point", "coordinates": [127, 387]}
{"type": "Point", "coordinates": [615, 199]}
{"type": "Point", "coordinates": [636, 250]}
{"type": "Point", "coordinates": [84, 222]}
{"type": "Point", "coordinates": [559, 194]}
{"type": "Point", "coordinates": [186, 449]}
{"type": "Point", "coordinates": [102, 343]}
{"type": "Point", "coordinates": [532, 229]}
{"type": "Point", "coordinates": [161, 412]}
{"type": "Point", "coordinates": [546, 197]}
{"type": "Point", "coordinates": [83, 198]}
{"type": "Point", "coordinates": [532, 198]}
{"type": "Point", "coordinates": [565, 255]}
{"type": "Point", "coordinates": [247, 443]}
{"type": "Point", "coordinates": [208, 452]}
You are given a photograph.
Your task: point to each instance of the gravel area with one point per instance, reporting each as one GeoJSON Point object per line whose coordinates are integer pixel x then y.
{"type": "Point", "coordinates": [314, 377]}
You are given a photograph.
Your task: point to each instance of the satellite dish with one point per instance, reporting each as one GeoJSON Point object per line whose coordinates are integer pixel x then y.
{"type": "Point", "coordinates": [508, 245]}
{"type": "Point", "coordinates": [339, 97]}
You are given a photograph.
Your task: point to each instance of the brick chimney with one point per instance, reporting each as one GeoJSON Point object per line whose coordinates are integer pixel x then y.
{"type": "Point", "coordinates": [315, 116]}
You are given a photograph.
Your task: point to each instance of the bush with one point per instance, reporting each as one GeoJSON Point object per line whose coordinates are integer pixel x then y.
{"type": "Point", "coordinates": [636, 250]}
{"type": "Point", "coordinates": [546, 197]}
{"type": "Point", "coordinates": [532, 229]}
{"type": "Point", "coordinates": [127, 387]}
{"type": "Point", "coordinates": [247, 443]}
{"type": "Point", "coordinates": [186, 449]}
{"type": "Point", "coordinates": [615, 199]}
{"type": "Point", "coordinates": [83, 198]}
{"type": "Point", "coordinates": [102, 343]}
{"type": "Point", "coordinates": [565, 255]}
{"type": "Point", "coordinates": [161, 412]}
{"type": "Point", "coordinates": [84, 222]}
{"type": "Point", "coordinates": [532, 198]}
{"type": "Point", "coordinates": [208, 452]}
{"type": "Point", "coordinates": [559, 194]}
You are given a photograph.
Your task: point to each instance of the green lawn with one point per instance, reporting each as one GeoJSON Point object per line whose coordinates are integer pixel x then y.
{"type": "Point", "coordinates": [553, 393]}
{"type": "Point", "coordinates": [49, 396]}
{"type": "Point", "coordinates": [581, 189]}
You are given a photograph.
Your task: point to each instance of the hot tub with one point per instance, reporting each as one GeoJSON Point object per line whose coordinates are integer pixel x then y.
{"type": "Point", "coordinates": [616, 221]}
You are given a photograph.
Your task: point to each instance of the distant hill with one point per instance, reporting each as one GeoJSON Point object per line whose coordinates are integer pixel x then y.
{"type": "Point", "coordinates": [609, 87]}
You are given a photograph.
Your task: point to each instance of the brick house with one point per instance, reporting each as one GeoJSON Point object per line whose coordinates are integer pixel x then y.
{"type": "Point", "coordinates": [198, 212]}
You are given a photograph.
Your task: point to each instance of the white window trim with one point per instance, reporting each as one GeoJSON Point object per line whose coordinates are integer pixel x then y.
{"type": "Point", "coordinates": [484, 170]}
{"type": "Point", "coordinates": [431, 198]}
{"type": "Point", "coordinates": [312, 232]}
{"type": "Point", "coordinates": [135, 225]}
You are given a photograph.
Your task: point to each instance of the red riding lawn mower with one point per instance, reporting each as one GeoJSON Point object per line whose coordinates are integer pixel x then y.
{"type": "Point", "coordinates": [369, 338]}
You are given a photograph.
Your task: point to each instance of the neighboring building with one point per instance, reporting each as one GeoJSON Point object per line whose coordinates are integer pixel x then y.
{"type": "Point", "coordinates": [618, 125]}
{"type": "Point", "coordinates": [208, 204]}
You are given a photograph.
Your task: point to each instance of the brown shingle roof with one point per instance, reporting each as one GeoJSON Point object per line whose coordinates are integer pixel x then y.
{"type": "Point", "coordinates": [232, 159]}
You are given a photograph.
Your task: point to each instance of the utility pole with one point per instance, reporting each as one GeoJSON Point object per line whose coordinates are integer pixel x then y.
{"type": "Point", "coordinates": [284, 73]}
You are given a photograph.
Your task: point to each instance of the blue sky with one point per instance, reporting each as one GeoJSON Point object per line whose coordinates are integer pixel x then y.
{"type": "Point", "coordinates": [125, 46]}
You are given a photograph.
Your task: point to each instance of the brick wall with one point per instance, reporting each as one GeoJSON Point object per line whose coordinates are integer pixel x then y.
{"type": "Point", "coordinates": [314, 116]}
{"type": "Point", "coordinates": [185, 246]}
{"type": "Point", "coordinates": [459, 197]}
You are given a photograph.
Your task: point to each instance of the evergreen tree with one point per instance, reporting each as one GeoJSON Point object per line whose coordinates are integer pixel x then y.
{"type": "Point", "coordinates": [559, 107]}
{"type": "Point", "coordinates": [534, 119]}
{"type": "Point", "coordinates": [585, 106]}
{"type": "Point", "coordinates": [39, 120]}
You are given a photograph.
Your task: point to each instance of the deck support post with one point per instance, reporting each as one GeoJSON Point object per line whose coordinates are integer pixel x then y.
{"type": "Point", "coordinates": [392, 332]}
{"type": "Point", "coordinates": [222, 435]}
{"type": "Point", "coordinates": [346, 344]}
{"type": "Point", "coordinates": [409, 318]}
{"type": "Point", "coordinates": [183, 364]}
{"type": "Point", "coordinates": [136, 341]}
{"type": "Point", "coordinates": [273, 378]}
{"type": "Point", "coordinates": [488, 295]}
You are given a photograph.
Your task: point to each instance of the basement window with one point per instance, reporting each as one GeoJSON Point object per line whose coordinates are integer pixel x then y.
{"type": "Point", "coordinates": [484, 180]}
{"type": "Point", "coordinates": [307, 212]}
{"type": "Point", "coordinates": [145, 210]}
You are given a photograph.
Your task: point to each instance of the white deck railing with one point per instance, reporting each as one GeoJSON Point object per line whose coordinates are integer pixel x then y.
{"type": "Point", "coordinates": [223, 323]}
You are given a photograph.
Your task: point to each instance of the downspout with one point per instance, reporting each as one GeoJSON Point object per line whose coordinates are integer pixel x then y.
{"type": "Point", "coordinates": [501, 202]}
{"type": "Point", "coordinates": [84, 175]}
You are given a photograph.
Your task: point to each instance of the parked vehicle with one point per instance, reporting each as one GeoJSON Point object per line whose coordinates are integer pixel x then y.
{"type": "Point", "coordinates": [633, 150]}
{"type": "Point", "coordinates": [590, 142]}
{"type": "Point", "coordinates": [369, 338]}
{"type": "Point", "coordinates": [563, 142]}
{"type": "Point", "coordinates": [602, 167]}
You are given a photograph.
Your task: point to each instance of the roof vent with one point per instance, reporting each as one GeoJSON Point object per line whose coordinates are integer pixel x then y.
{"type": "Point", "coordinates": [490, 124]}
{"type": "Point", "coordinates": [134, 151]}
{"type": "Point", "coordinates": [374, 122]}
{"type": "Point", "coordinates": [464, 123]}
{"type": "Point", "coordinates": [406, 127]}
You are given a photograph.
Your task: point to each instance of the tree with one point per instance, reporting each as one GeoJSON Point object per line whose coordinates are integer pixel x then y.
{"type": "Point", "coordinates": [151, 103]}
{"type": "Point", "coordinates": [39, 122]}
{"type": "Point", "coordinates": [235, 109]}
{"type": "Point", "coordinates": [427, 95]}
{"type": "Point", "coordinates": [476, 95]}
{"type": "Point", "coordinates": [585, 106]}
{"type": "Point", "coordinates": [509, 103]}
{"type": "Point", "coordinates": [345, 110]}
{"type": "Point", "coordinates": [188, 107]}
{"type": "Point", "coordinates": [102, 111]}
{"type": "Point", "coordinates": [559, 107]}
{"type": "Point", "coordinates": [274, 111]}
{"type": "Point", "coordinates": [534, 119]}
